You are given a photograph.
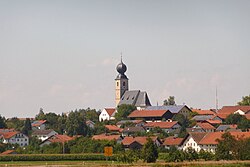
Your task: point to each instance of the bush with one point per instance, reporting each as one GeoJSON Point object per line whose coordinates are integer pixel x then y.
{"type": "Point", "coordinates": [128, 156]}
{"type": "Point", "coordinates": [55, 157]}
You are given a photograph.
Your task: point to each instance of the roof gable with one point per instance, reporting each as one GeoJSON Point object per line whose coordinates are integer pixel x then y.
{"type": "Point", "coordinates": [110, 111]}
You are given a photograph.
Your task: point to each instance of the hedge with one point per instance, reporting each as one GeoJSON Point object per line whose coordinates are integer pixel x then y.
{"type": "Point", "coordinates": [55, 157]}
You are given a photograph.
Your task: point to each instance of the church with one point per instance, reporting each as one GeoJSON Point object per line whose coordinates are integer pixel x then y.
{"type": "Point", "coordinates": [123, 95]}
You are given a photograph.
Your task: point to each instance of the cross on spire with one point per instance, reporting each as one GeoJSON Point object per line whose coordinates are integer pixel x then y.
{"type": "Point", "coordinates": [121, 56]}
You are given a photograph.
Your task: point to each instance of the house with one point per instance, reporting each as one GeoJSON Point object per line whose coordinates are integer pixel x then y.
{"type": "Point", "coordinates": [57, 139]}
{"type": "Point", "coordinates": [168, 127]}
{"type": "Point", "coordinates": [38, 125]}
{"type": "Point", "coordinates": [192, 140]}
{"type": "Point", "coordinates": [172, 141]}
{"type": "Point", "coordinates": [107, 114]}
{"type": "Point", "coordinates": [117, 138]}
{"type": "Point", "coordinates": [131, 122]}
{"type": "Point", "coordinates": [138, 142]}
{"type": "Point", "coordinates": [14, 137]}
{"type": "Point", "coordinates": [227, 110]}
{"type": "Point", "coordinates": [174, 109]}
{"type": "Point", "coordinates": [44, 134]}
{"type": "Point", "coordinates": [225, 128]}
{"type": "Point", "coordinates": [128, 131]}
{"type": "Point", "coordinates": [203, 112]}
{"type": "Point", "coordinates": [202, 127]}
{"type": "Point", "coordinates": [135, 97]}
{"type": "Point", "coordinates": [151, 115]}
{"type": "Point", "coordinates": [113, 128]}
{"type": "Point", "coordinates": [90, 124]}
{"type": "Point", "coordinates": [207, 141]}
{"type": "Point", "coordinates": [201, 118]}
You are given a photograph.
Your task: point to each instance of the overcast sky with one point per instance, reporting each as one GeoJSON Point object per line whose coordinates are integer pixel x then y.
{"type": "Point", "coordinates": [62, 55]}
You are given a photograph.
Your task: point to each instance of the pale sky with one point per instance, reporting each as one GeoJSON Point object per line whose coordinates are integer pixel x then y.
{"type": "Point", "coordinates": [62, 55]}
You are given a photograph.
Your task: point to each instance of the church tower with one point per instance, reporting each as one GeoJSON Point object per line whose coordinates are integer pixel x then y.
{"type": "Point", "coordinates": [121, 82]}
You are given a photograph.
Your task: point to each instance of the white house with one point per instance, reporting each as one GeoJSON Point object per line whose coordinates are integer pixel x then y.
{"type": "Point", "coordinates": [44, 134]}
{"type": "Point", "coordinates": [107, 114]}
{"type": "Point", "coordinates": [14, 138]}
{"type": "Point", "coordinates": [208, 141]}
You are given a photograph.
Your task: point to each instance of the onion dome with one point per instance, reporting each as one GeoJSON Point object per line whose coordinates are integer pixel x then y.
{"type": "Point", "coordinates": [121, 69]}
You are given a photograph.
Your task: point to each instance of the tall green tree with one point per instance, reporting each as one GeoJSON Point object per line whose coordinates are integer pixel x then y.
{"type": "Point", "coordinates": [76, 124]}
{"type": "Point", "coordinates": [245, 101]}
{"type": "Point", "coordinates": [27, 127]}
{"type": "Point", "coordinates": [123, 111]}
{"type": "Point", "coordinates": [40, 115]}
{"type": "Point", "coordinates": [149, 151]}
{"type": "Point", "coordinates": [169, 101]}
{"type": "Point", "coordinates": [2, 122]}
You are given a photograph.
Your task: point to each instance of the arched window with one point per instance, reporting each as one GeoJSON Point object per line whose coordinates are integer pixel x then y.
{"type": "Point", "coordinates": [117, 83]}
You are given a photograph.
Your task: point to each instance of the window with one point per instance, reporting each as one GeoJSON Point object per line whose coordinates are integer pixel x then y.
{"type": "Point", "coordinates": [117, 83]}
{"type": "Point", "coordinates": [124, 83]}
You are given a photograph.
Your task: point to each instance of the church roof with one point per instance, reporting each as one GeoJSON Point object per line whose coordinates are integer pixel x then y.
{"type": "Point", "coordinates": [135, 97]}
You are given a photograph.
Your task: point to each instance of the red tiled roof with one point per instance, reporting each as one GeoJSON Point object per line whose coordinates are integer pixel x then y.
{"type": "Point", "coordinates": [8, 152]}
{"type": "Point", "coordinates": [142, 140]}
{"type": "Point", "coordinates": [163, 125]}
{"type": "Point", "coordinates": [211, 138]}
{"type": "Point", "coordinates": [110, 111]}
{"type": "Point", "coordinates": [223, 115]}
{"type": "Point", "coordinates": [60, 138]}
{"type": "Point", "coordinates": [213, 121]}
{"type": "Point", "coordinates": [232, 109]}
{"type": "Point", "coordinates": [172, 141]}
{"type": "Point", "coordinates": [203, 112]}
{"type": "Point", "coordinates": [247, 116]}
{"type": "Point", "coordinates": [7, 135]}
{"type": "Point", "coordinates": [205, 125]}
{"type": "Point", "coordinates": [38, 123]}
{"type": "Point", "coordinates": [112, 128]}
{"type": "Point", "coordinates": [147, 113]}
{"type": "Point", "coordinates": [106, 137]}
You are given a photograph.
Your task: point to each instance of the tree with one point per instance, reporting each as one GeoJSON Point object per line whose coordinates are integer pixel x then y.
{"type": "Point", "coordinates": [245, 101]}
{"type": "Point", "coordinates": [27, 127]}
{"type": "Point", "coordinates": [76, 124]}
{"type": "Point", "coordinates": [40, 115]}
{"type": "Point", "coordinates": [123, 111]}
{"type": "Point", "coordinates": [242, 122]}
{"type": "Point", "coordinates": [15, 123]}
{"type": "Point", "coordinates": [225, 147]}
{"type": "Point", "coordinates": [2, 122]}
{"type": "Point", "coordinates": [169, 101]}
{"type": "Point", "coordinates": [149, 151]}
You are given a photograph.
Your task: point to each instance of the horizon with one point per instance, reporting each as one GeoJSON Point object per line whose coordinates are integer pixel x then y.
{"type": "Point", "coordinates": [62, 55]}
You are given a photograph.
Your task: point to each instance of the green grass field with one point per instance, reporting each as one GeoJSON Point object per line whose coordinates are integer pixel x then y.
{"type": "Point", "coordinates": [117, 164]}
